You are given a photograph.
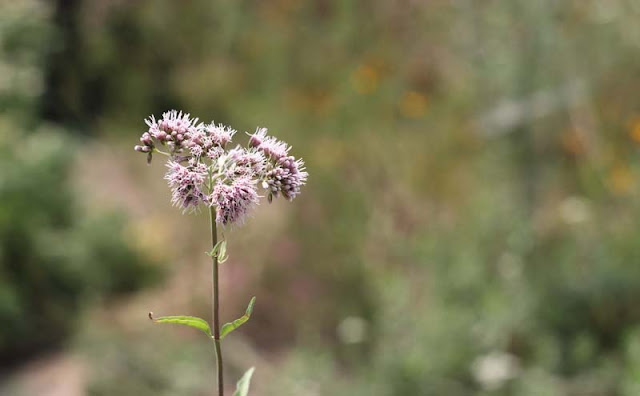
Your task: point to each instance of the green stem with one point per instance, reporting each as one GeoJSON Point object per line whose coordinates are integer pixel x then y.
{"type": "Point", "coordinates": [215, 298]}
{"type": "Point", "coordinates": [155, 150]}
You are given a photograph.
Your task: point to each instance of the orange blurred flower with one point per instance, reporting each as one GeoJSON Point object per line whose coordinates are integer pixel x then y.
{"type": "Point", "coordinates": [365, 79]}
{"type": "Point", "coordinates": [413, 104]}
{"type": "Point", "coordinates": [634, 133]}
{"type": "Point", "coordinates": [621, 180]}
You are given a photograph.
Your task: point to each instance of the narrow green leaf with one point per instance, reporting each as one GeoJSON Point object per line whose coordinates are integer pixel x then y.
{"type": "Point", "coordinates": [249, 309]}
{"type": "Point", "coordinates": [219, 251]}
{"type": "Point", "coordinates": [222, 253]}
{"type": "Point", "coordinates": [215, 249]}
{"type": "Point", "coordinates": [229, 327]}
{"type": "Point", "coordinates": [242, 387]}
{"type": "Point", "coordinates": [191, 321]}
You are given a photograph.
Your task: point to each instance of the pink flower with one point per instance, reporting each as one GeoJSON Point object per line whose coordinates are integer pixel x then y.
{"type": "Point", "coordinates": [286, 175]}
{"type": "Point", "coordinates": [286, 178]}
{"type": "Point", "coordinates": [270, 146]}
{"type": "Point", "coordinates": [169, 131]}
{"type": "Point", "coordinates": [202, 171]}
{"type": "Point", "coordinates": [209, 140]}
{"type": "Point", "coordinates": [173, 127]}
{"type": "Point", "coordinates": [220, 134]}
{"type": "Point", "coordinates": [233, 201]}
{"type": "Point", "coordinates": [186, 184]}
{"type": "Point", "coordinates": [258, 137]}
{"type": "Point", "coordinates": [245, 162]}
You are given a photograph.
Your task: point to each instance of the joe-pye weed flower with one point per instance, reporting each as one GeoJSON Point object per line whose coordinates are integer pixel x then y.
{"type": "Point", "coordinates": [203, 172]}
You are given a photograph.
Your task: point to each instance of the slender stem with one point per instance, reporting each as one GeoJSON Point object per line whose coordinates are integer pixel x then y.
{"type": "Point", "coordinates": [155, 150]}
{"type": "Point", "coordinates": [215, 302]}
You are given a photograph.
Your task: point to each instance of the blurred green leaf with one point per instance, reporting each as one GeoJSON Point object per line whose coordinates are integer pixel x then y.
{"type": "Point", "coordinates": [229, 327]}
{"type": "Point", "coordinates": [220, 249]}
{"type": "Point", "coordinates": [190, 321]}
{"type": "Point", "coordinates": [242, 387]}
{"type": "Point", "coordinates": [222, 253]}
{"type": "Point", "coordinates": [215, 249]}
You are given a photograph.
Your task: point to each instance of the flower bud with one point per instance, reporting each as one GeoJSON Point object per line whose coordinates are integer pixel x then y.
{"type": "Point", "coordinates": [254, 141]}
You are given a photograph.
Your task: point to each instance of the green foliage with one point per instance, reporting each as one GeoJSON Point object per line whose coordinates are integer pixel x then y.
{"type": "Point", "coordinates": [229, 327]}
{"type": "Point", "coordinates": [23, 25]}
{"type": "Point", "coordinates": [242, 388]}
{"type": "Point", "coordinates": [219, 250]}
{"type": "Point", "coordinates": [53, 261]}
{"type": "Point", "coordinates": [222, 253]}
{"type": "Point", "coordinates": [190, 321]}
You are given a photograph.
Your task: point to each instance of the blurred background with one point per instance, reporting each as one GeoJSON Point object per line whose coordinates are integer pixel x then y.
{"type": "Point", "coordinates": [469, 227]}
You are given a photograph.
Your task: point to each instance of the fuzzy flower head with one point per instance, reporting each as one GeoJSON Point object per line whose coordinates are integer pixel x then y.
{"type": "Point", "coordinates": [246, 162]}
{"type": "Point", "coordinates": [186, 184]}
{"type": "Point", "coordinates": [270, 146]}
{"type": "Point", "coordinates": [285, 174]}
{"type": "Point", "coordinates": [234, 201]}
{"type": "Point", "coordinates": [170, 131]}
{"type": "Point", "coordinates": [202, 171]}
{"type": "Point", "coordinates": [286, 177]}
{"type": "Point", "coordinates": [209, 140]}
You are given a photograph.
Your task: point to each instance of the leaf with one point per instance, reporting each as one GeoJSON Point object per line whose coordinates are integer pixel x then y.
{"type": "Point", "coordinates": [190, 321]}
{"type": "Point", "coordinates": [242, 387]}
{"type": "Point", "coordinates": [222, 253]}
{"type": "Point", "coordinates": [215, 249]}
{"type": "Point", "coordinates": [229, 327]}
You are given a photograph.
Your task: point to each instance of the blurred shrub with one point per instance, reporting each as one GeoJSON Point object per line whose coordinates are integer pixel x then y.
{"type": "Point", "coordinates": [54, 260]}
{"type": "Point", "coordinates": [23, 27]}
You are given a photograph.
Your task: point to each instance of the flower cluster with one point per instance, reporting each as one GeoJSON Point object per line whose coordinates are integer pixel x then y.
{"type": "Point", "coordinates": [232, 200]}
{"type": "Point", "coordinates": [201, 171]}
{"type": "Point", "coordinates": [172, 131]}
{"type": "Point", "coordinates": [186, 184]}
{"type": "Point", "coordinates": [283, 174]}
